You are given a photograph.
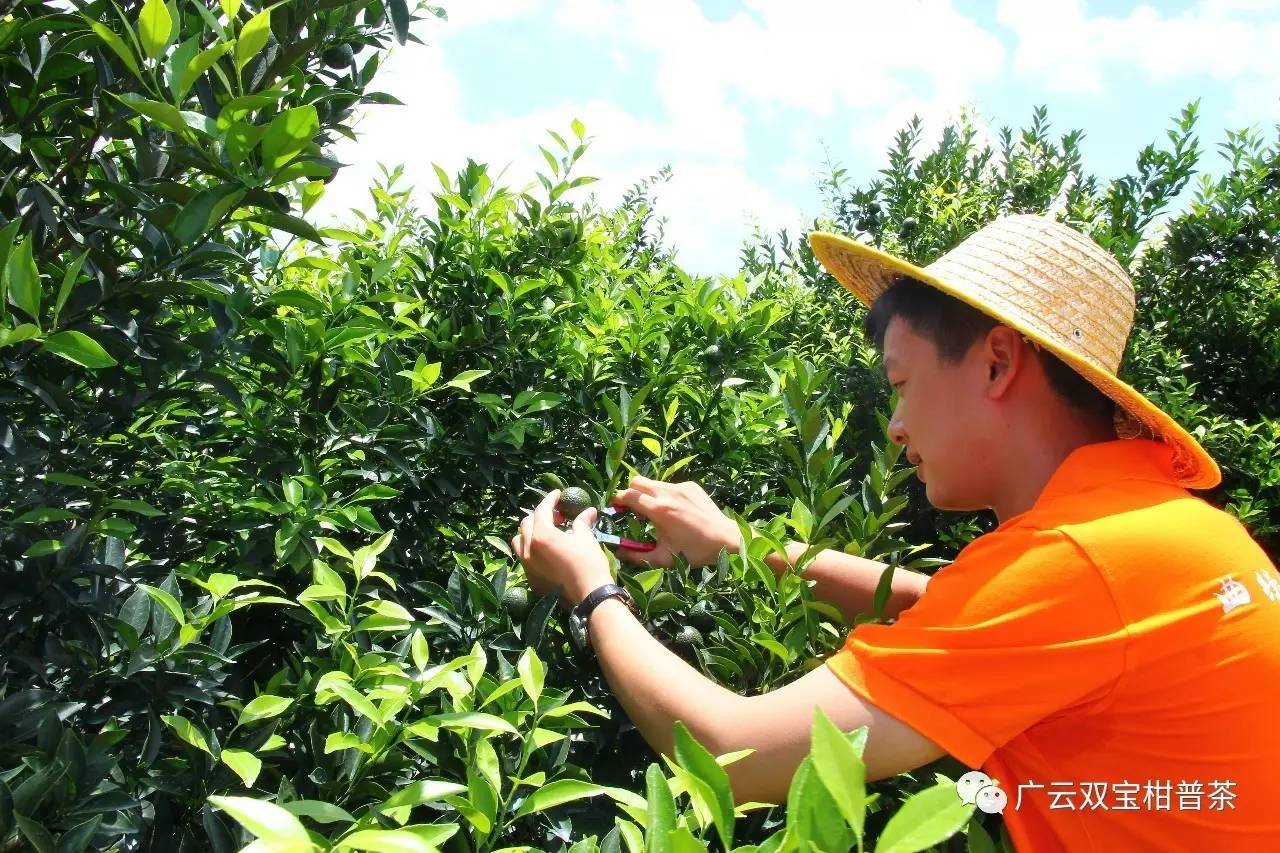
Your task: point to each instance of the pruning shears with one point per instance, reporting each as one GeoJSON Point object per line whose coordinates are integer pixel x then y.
{"type": "Point", "coordinates": [603, 529]}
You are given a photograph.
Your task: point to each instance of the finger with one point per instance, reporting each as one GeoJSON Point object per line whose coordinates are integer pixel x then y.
{"type": "Point", "coordinates": [526, 535]}
{"type": "Point", "coordinates": [543, 515]}
{"type": "Point", "coordinates": [516, 547]}
{"type": "Point", "coordinates": [635, 558]}
{"type": "Point", "coordinates": [644, 484]}
{"type": "Point", "coordinates": [642, 503]}
{"type": "Point", "coordinates": [585, 520]}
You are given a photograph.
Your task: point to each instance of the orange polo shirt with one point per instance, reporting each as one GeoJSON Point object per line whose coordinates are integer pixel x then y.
{"type": "Point", "coordinates": [1110, 658]}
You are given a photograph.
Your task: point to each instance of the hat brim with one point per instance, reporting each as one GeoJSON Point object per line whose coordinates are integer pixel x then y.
{"type": "Point", "coordinates": [867, 272]}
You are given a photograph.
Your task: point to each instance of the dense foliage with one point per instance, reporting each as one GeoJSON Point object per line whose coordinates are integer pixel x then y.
{"type": "Point", "coordinates": [259, 477]}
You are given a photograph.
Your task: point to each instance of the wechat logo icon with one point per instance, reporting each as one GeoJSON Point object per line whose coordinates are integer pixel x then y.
{"type": "Point", "coordinates": [981, 790]}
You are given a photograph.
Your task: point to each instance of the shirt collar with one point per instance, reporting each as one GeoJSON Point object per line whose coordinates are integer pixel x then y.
{"type": "Point", "coordinates": [1092, 465]}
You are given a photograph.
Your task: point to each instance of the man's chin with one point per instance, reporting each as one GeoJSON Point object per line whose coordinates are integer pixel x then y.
{"type": "Point", "coordinates": [948, 503]}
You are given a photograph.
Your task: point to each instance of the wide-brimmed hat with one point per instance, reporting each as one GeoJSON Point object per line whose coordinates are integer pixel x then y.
{"type": "Point", "coordinates": [1057, 287]}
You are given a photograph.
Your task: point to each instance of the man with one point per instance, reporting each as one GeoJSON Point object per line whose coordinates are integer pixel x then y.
{"type": "Point", "coordinates": [1109, 655]}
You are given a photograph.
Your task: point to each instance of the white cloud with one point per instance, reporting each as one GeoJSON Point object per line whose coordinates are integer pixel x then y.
{"type": "Point", "coordinates": [1070, 51]}
{"type": "Point", "coordinates": [471, 13]}
{"type": "Point", "coordinates": [779, 60]}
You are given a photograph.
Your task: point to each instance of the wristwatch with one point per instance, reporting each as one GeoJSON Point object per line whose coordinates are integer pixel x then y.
{"type": "Point", "coordinates": [579, 615]}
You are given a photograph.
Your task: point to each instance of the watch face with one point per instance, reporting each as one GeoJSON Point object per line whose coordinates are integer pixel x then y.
{"type": "Point", "coordinates": [577, 631]}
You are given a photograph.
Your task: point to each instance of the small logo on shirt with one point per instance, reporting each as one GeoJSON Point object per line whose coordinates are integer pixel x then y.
{"type": "Point", "coordinates": [1269, 582]}
{"type": "Point", "coordinates": [1234, 594]}
{"type": "Point", "coordinates": [981, 790]}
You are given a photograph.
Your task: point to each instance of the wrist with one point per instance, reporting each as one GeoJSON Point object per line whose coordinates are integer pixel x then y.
{"type": "Point", "coordinates": [581, 614]}
{"type": "Point", "coordinates": [581, 591]}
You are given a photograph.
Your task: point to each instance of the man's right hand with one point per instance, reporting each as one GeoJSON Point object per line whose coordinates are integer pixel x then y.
{"type": "Point", "coordinates": [685, 519]}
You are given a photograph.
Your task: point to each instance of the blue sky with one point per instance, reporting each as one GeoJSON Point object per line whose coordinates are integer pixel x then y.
{"type": "Point", "coordinates": [745, 100]}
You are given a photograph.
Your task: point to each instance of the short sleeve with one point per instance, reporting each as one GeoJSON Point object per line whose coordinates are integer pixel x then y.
{"type": "Point", "coordinates": [1020, 628]}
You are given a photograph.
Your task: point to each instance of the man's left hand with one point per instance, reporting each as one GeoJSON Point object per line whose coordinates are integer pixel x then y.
{"type": "Point", "coordinates": [553, 557]}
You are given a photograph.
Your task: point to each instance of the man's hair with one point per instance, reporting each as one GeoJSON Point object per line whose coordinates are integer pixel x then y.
{"type": "Point", "coordinates": [954, 327]}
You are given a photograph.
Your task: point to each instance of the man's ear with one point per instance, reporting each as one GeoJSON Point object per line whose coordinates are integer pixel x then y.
{"type": "Point", "coordinates": [1003, 356]}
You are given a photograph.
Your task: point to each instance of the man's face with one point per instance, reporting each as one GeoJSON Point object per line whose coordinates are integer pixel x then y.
{"type": "Point", "coordinates": [943, 418]}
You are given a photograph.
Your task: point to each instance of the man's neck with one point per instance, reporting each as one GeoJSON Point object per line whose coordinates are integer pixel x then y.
{"type": "Point", "coordinates": [1031, 466]}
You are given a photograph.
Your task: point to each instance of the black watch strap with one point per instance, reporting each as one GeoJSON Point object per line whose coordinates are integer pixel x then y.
{"type": "Point", "coordinates": [582, 612]}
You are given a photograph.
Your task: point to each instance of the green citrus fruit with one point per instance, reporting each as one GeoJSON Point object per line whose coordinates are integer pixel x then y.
{"type": "Point", "coordinates": [713, 354]}
{"type": "Point", "coordinates": [688, 637]}
{"type": "Point", "coordinates": [516, 601]}
{"type": "Point", "coordinates": [909, 226]}
{"type": "Point", "coordinates": [573, 501]}
{"type": "Point", "coordinates": [339, 57]}
{"type": "Point", "coordinates": [701, 618]}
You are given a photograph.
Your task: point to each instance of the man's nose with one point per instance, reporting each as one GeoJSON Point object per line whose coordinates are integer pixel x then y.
{"type": "Point", "coordinates": [896, 433]}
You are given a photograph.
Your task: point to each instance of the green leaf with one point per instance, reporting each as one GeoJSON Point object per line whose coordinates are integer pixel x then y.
{"type": "Point", "coordinates": [40, 839]}
{"type": "Point", "coordinates": [140, 507]}
{"type": "Point", "coordinates": [420, 651]}
{"type": "Point", "coordinates": [24, 280]}
{"type": "Point", "coordinates": [203, 210]}
{"type": "Point", "coordinates": [43, 548]}
{"type": "Point", "coordinates": [385, 841]}
{"type": "Point", "coordinates": [337, 741]}
{"type": "Point", "coordinates": [464, 379]}
{"type": "Point", "coordinates": [68, 284]}
{"type": "Point", "coordinates": [230, 8]}
{"type": "Point", "coordinates": [318, 810]}
{"type": "Point", "coordinates": [45, 514]}
{"type": "Point", "coordinates": [532, 674]}
{"type": "Point", "coordinates": [334, 545]}
{"type": "Point", "coordinates": [155, 27]}
{"type": "Point", "coordinates": [264, 707]}
{"type": "Point", "coordinates": [562, 791]}
{"type": "Point", "coordinates": [925, 819]}
{"type": "Point", "coordinates": [288, 224]}
{"type": "Point", "coordinates": [18, 334]}
{"type": "Point", "coordinates": [434, 834]}
{"type": "Point", "coordinates": [574, 708]}
{"type": "Point", "coordinates": [695, 758]}
{"type": "Point", "coordinates": [660, 815]}
{"type": "Point", "coordinates": [166, 115]}
{"type": "Point", "coordinates": [424, 791]}
{"type": "Point", "coordinates": [79, 348]}
{"type": "Point", "coordinates": [357, 701]}
{"type": "Point", "coordinates": [809, 813]}
{"type": "Point", "coordinates": [196, 68]}
{"type": "Point", "coordinates": [253, 38]}
{"type": "Point", "coordinates": [267, 821]}
{"type": "Point", "coordinates": [472, 720]}
{"type": "Point", "coordinates": [245, 764]}
{"type": "Point", "coordinates": [165, 600]}
{"type": "Point", "coordinates": [7, 235]}
{"type": "Point", "coordinates": [136, 610]}
{"type": "Point", "coordinates": [840, 768]}
{"type": "Point", "coordinates": [682, 840]}
{"type": "Point", "coordinates": [187, 732]}
{"type": "Point", "coordinates": [399, 18]}
{"type": "Point", "coordinates": [288, 135]}
{"type": "Point", "coordinates": [116, 44]}
{"type": "Point", "coordinates": [977, 839]}
{"type": "Point", "coordinates": [884, 588]}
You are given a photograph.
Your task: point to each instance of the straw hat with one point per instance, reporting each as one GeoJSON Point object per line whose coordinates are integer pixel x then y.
{"type": "Point", "coordinates": [1053, 284]}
